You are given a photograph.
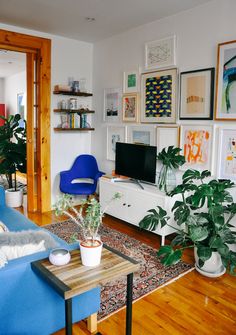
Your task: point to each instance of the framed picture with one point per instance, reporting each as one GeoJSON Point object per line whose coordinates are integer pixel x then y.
{"type": "Point", "coordinates": [227, 153]}
{"type": "Point", "coordinates": [197, 94]}
{"type": "Point", "coordinates": [131, 81]}
{"type": "Point", "coordinates": [21, 105]}
{"type": "Point", "coordinates": [158, 101]}
{"type": "Point", "coordinates": [141, 135]}
{"type": "Point", "coordinates": [196, 144]}
{"type": "Point", "coordinates": [166, 136]}
{"type": "Point", "coordinates": [114, 134]}
{"type": "Point", "coordinates": [112, 104]}
{"type": "Point", "coordinates": [130, 106]}
{"type": "Point", "coordinates": [160, 53]}
{"type": "Point", "coordinates": [225, 106]}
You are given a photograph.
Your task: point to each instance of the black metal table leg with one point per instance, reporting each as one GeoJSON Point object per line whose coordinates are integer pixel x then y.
{"type": "Point", "coordinates": [68, 312]}
{"type": "Point", "coordinates": [129, 300]}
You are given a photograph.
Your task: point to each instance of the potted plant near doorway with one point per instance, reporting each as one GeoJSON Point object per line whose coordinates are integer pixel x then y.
{"type": "Point", "coordinates": [12, 156]}
{"type": "Point", "coordinates": [88, 218]}
{"type": "Point", "coordinates": [203, 210]}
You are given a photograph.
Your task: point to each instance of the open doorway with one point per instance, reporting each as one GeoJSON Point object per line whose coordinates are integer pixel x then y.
{"type": "Point", "coordinates": [38, 65]}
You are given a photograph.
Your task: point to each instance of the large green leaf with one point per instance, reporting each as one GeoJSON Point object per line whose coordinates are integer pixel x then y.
{"type": "Point", "coordinates": [204, 252]}
{"type": "Point", "coordinates": [169, 255]}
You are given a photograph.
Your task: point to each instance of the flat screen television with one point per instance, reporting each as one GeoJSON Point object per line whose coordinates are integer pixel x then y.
{"type": "Point", "coordinates": [136, 161]}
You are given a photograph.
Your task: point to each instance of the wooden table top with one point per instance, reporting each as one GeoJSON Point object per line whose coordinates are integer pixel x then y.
{"type": "Point", "coordinates": [74, 278]}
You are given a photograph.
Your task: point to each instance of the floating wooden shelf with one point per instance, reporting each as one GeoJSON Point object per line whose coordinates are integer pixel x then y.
{"type": "Point", "coordinates": [80, 111]}
{"type": "Point", "coordinates": [74, 129]}
{"type": "Point", "coordinates": [78, 94]}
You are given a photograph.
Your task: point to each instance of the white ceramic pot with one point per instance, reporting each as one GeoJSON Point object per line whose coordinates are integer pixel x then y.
{"type": "Point", "coordinates": [14, 198]}
{"type": "Point", "coordinates": [212, 266]}
{"type": "Point", "coordinates": [59, 256]}
{"type": "Point", "coordinates": [90, 254]}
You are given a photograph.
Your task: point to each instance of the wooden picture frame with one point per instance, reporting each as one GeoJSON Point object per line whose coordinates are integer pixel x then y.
{"type": "Point", "coordinates": [158, 96]}
{"type": "Point", "coordinates": [112, 105]}
{"type": "Point", "coordinates": [225, 105]}
{"type": "Point", "coordinates": [130, 106]}
{"type": "Point", "coordinates": [197, 94]}
{"type": "Point", "coordinates": [166, 136]}
{"type": "Point", "coordinates": [114, 134]}
{"type": "Point", "coordinates": [131, 81]}
{"type": "Point", "coordinates": [196, 142]}
{"type": "Point", "coordinates": [141, 135]}
{"type": "Point", "coordinates": [160, 53]}
{"type": "Point", "coordinates": [227, 153]}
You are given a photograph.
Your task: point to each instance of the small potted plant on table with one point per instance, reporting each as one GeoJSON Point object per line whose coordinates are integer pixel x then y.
{"type": "Point", "coordinates": [88, 218]}
{"type": "Point", "coordinates": [203, 212]}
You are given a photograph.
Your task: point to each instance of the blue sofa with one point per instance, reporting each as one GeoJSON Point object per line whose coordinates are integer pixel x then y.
{"type": "Point", "coordinates": [28, 305]}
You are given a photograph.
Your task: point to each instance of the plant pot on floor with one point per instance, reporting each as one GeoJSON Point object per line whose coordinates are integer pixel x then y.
{"type": "Point", "coordinates": [91, 252]}
{"type": "Point", "coordinates": [213, 267]}
{"type": "Point", "coordinates": [14, 198]}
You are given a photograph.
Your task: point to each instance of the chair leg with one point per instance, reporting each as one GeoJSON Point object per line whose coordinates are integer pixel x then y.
{"type": "Point", "coordinates": [92, 323]}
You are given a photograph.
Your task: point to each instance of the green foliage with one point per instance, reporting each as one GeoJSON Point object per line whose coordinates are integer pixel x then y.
{"type": "Point", "coordinates": [170, 157]}
{"type": "Point", "coordinates": [203, 211]}
{"type": "Point", "coordinates": [12, 148]}
{"type": "Point", "coordinates": [88, 217]}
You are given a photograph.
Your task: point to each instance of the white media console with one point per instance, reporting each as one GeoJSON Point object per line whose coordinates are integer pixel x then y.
{"type": "Point", "coordinates": [135, 202]}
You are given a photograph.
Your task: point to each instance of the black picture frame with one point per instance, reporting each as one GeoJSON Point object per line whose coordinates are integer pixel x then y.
{"type": "Point", "coordinates": [197, 94]}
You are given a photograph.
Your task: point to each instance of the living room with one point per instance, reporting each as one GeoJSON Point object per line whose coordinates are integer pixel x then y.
{"type": "Point", "coordinates": [103, 62]}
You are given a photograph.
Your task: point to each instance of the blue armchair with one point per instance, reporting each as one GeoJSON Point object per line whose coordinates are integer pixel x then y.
{"type": "Point", "coordinates": [85, 168]}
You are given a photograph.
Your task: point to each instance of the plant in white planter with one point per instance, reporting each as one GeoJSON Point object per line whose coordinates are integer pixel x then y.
{"type": "Point", "coordinates": [12, 156]}
{"type": "Point", "coordinates": [203, 212]}
{"type": "Point", "coordinates": [89, 219]}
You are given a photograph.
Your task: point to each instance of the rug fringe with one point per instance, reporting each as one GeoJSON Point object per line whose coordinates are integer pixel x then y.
{"type": "Point", "coordinates": [143, 296]}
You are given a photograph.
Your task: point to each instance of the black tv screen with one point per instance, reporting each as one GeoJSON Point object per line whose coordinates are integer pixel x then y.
{"type": "Point", "coordinates": [136, 161]}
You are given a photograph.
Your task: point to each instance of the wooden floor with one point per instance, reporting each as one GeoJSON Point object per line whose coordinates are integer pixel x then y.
{"type": "Point", "coordinates": [192, 305]}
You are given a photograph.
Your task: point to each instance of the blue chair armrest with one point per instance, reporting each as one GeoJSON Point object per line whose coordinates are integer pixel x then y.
{"type": "Point", "coordinates": [65, 177]}
{"type": "Point", "coordinates": [98, 175]}
{"type": "Point", "coordinates": [2, 196]}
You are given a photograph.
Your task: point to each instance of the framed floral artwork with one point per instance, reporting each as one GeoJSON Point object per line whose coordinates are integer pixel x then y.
{"type": "Point", "coordinates": [166, 136]}
{"type": "Point", "coordinates": [160, 53]}
{"type": "Point", "coordinates": [131, 81]}
{"type": "Point", "coordinates": [225, 105]}
{"type": "Point", "coordinates": [158, 99]}
{"type": "Point", "coordinates": [114, 134]}
{"type": "Point", "coordinates": [227, 153]}
{"type": "Point", "coordinates": [141, 135]}
{"type": "Point", "coordinates": [196, 142]}
{"type": "Point", "coordinates": [130, 106]}
{"type": "Point", "coordinates": [112, 105]}
{"type": "Point", "coordinates": [197, 94]}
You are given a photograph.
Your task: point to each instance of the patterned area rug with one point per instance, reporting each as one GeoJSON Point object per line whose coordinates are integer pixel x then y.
{"type": "Point", "coordinates": [151, 275]}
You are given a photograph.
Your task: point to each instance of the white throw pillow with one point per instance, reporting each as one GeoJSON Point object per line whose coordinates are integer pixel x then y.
{"type": "Point", "coordinates": [17, 251]}
{"type": "Point", "coordinates": [3, 259]}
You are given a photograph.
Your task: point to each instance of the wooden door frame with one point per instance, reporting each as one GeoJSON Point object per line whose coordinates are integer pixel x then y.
{"type": "Point", "coordinates": [31, 44]}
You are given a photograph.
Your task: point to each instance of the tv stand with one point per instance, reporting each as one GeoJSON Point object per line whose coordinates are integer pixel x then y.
{"type": "Point", "coordinates": [135, 202]}
{"type": "Point", "coordinates": [131, 180]}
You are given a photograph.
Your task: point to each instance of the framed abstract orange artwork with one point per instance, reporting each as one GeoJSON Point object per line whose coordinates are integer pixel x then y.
{"type": "Point", "coordinates": [196, 143]}
{"type": "Point", "coordinates": [227, 153]}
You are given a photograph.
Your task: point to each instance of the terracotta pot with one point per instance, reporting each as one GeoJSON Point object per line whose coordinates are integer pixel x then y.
{"type": "Point", "coordinates": [91, 254]}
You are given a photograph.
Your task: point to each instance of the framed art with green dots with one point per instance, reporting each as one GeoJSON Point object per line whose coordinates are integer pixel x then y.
{"type": "Point", "coordinates": [158, 96]}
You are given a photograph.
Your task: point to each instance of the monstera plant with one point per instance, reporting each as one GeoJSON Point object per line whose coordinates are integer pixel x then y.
{"type": "Point", "coordinates": [203, 210]}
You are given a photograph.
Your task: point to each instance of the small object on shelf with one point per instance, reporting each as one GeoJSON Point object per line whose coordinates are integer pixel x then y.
{"type": "Point", "coordinates": [62, 88]}
{"type": "Point", "coordinates": [73, 103]}
{"type": "Point", "coordinates": [59, 256]}
{"type": "Point", "coordinates": [62, 104]}
{"type": "Point", "coordinates": [75, 86]}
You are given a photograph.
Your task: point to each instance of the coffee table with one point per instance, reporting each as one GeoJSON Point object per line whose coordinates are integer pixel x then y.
{"type": "Point", "coordinates": [69, 280]}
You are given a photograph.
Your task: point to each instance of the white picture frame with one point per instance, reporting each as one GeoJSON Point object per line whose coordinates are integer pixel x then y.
{"type": "Point", "coordinates": [114, 134]}
{"type": "Point", "coordinates": [227, 153]}
{"type": "Point", "coordinates": [166, 136]}
{"type": "Point", "coordinates": [112, 105]}
{"type": "Point", "coordinates": [196, 142]}
{"type": "Point", "coordinates": [160, 53]}
{"type": "Point", "coordinates": [141, 135]}
{"type": "Point", "coordinates": [131, 81]}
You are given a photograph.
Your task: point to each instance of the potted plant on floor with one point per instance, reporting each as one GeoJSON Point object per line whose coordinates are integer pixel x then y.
{"type": "Point", "coordinates": [171, 160]}
{"type": "Point", "coordinates": [88, 218]}
{"type": "Point", "coordinates": [203, 211]}
{"type": "Point", "coordinates": [12, 156]}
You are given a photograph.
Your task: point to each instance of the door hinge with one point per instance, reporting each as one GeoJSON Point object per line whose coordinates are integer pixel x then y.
{"type": "Point", "coordinates": [41, 60]}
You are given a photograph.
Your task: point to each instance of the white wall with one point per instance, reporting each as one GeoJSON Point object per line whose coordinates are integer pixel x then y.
{"type": "Point", "coordinates": [69, 58]}
{"type": "Point", "coordinates": [13, 85]}
{"type": "Point", "coordinates": [198, 31]}
{"type": "Point", "coordinates": [1, 90]}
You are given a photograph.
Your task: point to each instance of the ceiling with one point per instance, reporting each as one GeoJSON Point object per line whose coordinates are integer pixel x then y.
{"type": "Point", "coordinates": [11, 63]}
{"type": "Point", "coordinates": [68, 17]}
